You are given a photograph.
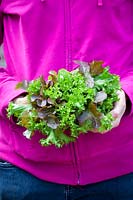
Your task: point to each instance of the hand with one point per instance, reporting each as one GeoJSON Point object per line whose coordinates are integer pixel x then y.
{"type": "Point", "coordinates": [118, 111]}
{"type": "Point", "coordinates": [119, 108]}
{"type": "Point", "coordinates": [21, 100]}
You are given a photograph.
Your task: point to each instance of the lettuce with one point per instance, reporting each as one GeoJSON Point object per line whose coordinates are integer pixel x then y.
{"type": "Point", "coordinates": [68, 103]}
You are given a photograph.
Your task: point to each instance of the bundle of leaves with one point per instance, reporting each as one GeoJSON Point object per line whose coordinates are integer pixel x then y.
{"type": "Point", "coordinates": [68, 103]}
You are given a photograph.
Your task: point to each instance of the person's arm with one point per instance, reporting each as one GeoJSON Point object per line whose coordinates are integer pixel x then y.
{"type": "Point", "coordinates": [7, 90]}
{"type": "Point", "coordinates": [127, 86]}
{"type": "Point", "coordinates": [1, 25]}
{"type": "Point", "coordinates": [125, 104]}
{"type": "Point", "coordinates": [7, 82]}
{"type": "Point", "coordinates": [1, 28]}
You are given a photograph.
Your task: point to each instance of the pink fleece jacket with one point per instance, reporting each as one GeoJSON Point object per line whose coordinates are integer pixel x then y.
{"type": "Point", "coordinates": [43, 35]}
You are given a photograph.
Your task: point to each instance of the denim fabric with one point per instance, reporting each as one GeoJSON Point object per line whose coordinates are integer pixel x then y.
{"type": "Point", "coordinates": [16, 184]}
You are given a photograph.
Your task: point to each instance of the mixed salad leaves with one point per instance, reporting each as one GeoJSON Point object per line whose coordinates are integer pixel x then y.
{"type": "Point", "coordinates": [68, 103]}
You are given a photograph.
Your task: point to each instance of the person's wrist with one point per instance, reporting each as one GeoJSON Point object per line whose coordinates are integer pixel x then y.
{"type": "Point", "coordinates": [128, 105]}
{"type": "Point", "coordinates": [20, 97]}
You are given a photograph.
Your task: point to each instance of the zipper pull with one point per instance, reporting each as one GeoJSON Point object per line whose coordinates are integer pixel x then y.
{"type": "Point", "coordinates": [100, 2]}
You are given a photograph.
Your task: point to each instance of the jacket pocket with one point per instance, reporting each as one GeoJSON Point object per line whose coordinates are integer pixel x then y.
{"type": "Point", "coordinates": [31, 149]}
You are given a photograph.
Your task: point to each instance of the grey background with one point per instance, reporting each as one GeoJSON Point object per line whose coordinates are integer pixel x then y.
{"type": "Point", "coordinates": [2, 60]}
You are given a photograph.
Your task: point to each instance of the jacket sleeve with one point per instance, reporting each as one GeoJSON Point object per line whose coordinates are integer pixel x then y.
{"type": "Point", "coordinates": [127, 86]}
{"type": "Point", "coordinates": [1, 25]}
{"type": "Point", "coordinates": [7, 90]}
{"type": "Point", "coordinates": [7, 83]}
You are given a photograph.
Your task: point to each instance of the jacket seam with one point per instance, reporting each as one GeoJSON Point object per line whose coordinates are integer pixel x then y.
{"type": "Point", "coordinates": [68, 37]}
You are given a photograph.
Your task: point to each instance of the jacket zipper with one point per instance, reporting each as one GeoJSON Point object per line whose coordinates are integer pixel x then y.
{"type": "Point", "coordinates": [68, 40]}
{"type": "Point", "coordinates": [68, 53]}
{"type": "Point", "coordinates": [100, 2]}
{"type": "Point", "coordinates": [75, 156]}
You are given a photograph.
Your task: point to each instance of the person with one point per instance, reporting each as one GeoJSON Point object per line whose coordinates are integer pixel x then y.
{"type": "Point", "coordinates": [43, 35]}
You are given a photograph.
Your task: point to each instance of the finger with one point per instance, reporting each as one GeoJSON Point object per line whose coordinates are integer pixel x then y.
{"type": "Point", "coordinates": [97, 131]}
{"type": "Point", "coordinates": [21, 100]}
{"type": "Point", "coordinates": [116, 122]}
{"type": "Point", "coordinates": [25, 100]}
{"type": "Point", "coordinates": [120, 105]}
{"type": "Point", "coordinates": [94, 130]}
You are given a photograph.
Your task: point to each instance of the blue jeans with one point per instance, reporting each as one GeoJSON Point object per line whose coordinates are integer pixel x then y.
{"type": "Point", "coordinates": [16, 184]}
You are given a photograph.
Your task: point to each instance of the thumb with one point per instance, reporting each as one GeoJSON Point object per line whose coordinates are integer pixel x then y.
{"type": "Point", "coordinates": [21, 100]}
